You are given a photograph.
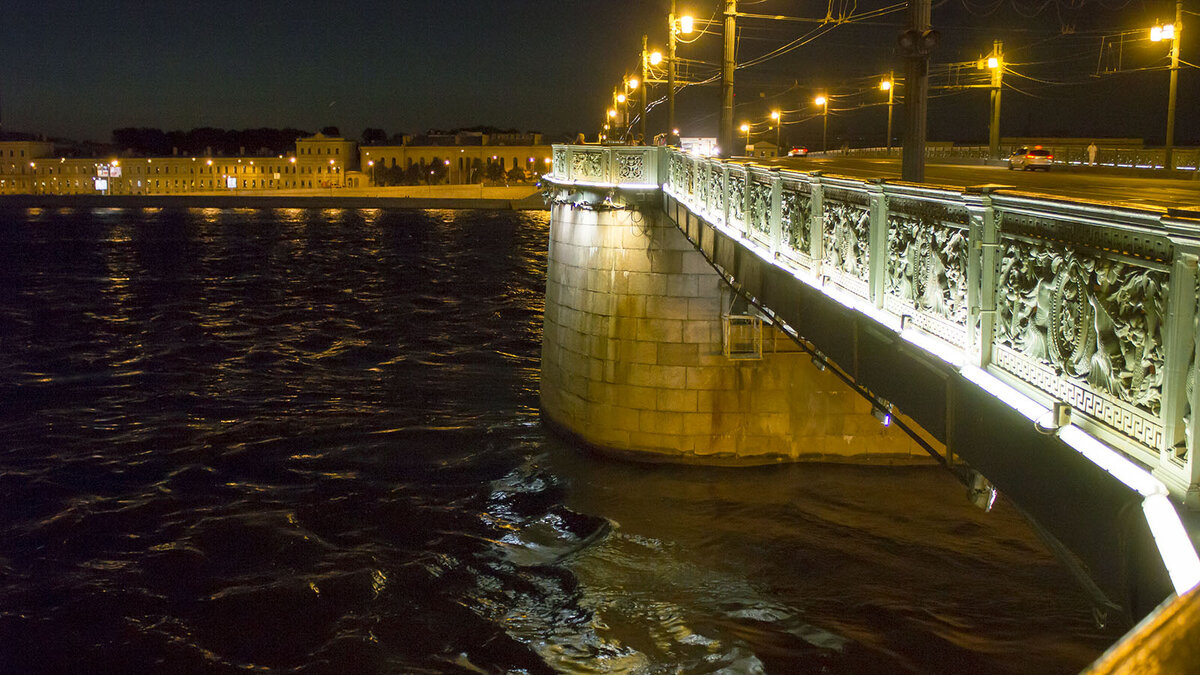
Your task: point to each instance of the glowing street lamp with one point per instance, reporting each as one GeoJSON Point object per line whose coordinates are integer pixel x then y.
{"type": "Point", "coordinates": [655, 58]}
{"type": "Point", "coordinates": [371, 163]}
{"type": "Point", "coordinates": [1160, 33]}
{"type": "Point", "coordinates": [778, 130]}
{"type": "Point", "coordinates": [746, 130]}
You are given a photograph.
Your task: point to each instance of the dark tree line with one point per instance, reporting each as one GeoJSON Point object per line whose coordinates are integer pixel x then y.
{"type": "Point", "coordinates": [203, 140]}
{"type": "Point", "coordinates": [415, 174]}
{"type": "Point", "coordinates": [436, 171]}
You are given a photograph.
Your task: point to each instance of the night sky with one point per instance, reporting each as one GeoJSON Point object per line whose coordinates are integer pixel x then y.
{"type": "Point", "coordinates": [80, 69]}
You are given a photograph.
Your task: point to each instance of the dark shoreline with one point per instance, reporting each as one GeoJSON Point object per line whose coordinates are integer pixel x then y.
{"type": "Point", "coordinates": [534, 202]}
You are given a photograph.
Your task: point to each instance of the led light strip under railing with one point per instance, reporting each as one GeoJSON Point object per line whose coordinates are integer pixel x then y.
{"type": "Point", "coordinates": [1178, 555]}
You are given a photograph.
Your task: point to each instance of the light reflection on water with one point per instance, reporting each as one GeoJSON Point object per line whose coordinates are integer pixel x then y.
{"type": "Point", "coordinates": [308, 440]}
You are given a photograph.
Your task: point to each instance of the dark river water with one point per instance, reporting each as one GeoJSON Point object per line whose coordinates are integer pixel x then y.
{"type": "Point", "coordinates": [308, 441]}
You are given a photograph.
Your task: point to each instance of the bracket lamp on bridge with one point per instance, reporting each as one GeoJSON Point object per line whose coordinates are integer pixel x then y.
{"type": "Point", "coordinates": [818, 361]}
{"type": "Point", "coordinates": [981, 492]}
{"type": "Point", "coordinates": [882, 411]}
{"type": "Point", "coordinates": [1056, 418]}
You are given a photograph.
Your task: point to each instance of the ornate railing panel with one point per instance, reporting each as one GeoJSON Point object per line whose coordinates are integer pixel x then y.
{"type": "Point", "coordinates": [675, 172]}
{"type": "Point", "coordinates": [927, 247]}
{"type": "Point", "coordinates": [737, 198]}
{"type": "Point", "coordinates": [609, 165]}
{"type": "Point", "coordinates": [631, 167]}
{"type": "Point", "coordinates": [1190, 398]}
{"type": "Point", "coordinates": [588, 165]}
{"type": "Point", "coordinates": [1083, 324]}
{"type": "Point", "coordinates": [758, 217]}
{"type": "Point", "coordinates": [560, 161]}
{"type": "Point", "coordinates": [718, 195]}
{"type": "Point", "coordinates": [703, 186]}
{"type": "Point", "coordinates": [796, 222]}
{"type": "Point", "coordinates": [845, 218]}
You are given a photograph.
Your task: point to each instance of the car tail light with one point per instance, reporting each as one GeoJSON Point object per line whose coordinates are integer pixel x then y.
{"type": "Point", "coordinates": [1050, 157]}
{"type": "Point", "coordinates": [1028, 156]}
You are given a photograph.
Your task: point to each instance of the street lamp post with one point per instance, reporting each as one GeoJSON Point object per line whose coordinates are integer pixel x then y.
{"type": "Point", "coordinates": [683, 27]}
{"type": "Point", "coordinates": [916, 43]}
{"type": "Point", "coordinates": [995, 63]}
{"type": "Point", "coordinates": [631, 85]}
{"type": "Point", "coordinates": [778, 131]}
{"type": "Point", "coordinates": [371, 163]}
{"type": "Point", "coordinates": [746, 130]}
{"type": "Point", "coordinates": [889, 85]}
{"type": "Point", "coordinates": [824, 103]}
{"type": "Point", "coordinates": [622, 113]}
{"type": "Point", "coordinates": [645, 86]}
{"type": "Point", "coordinates": [725, 139]}
{"type": "Point", "coordinates": [1171, 32]}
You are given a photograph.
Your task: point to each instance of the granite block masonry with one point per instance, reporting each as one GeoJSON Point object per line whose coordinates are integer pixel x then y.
{"type": "Point", "coordinates": [632, 358]}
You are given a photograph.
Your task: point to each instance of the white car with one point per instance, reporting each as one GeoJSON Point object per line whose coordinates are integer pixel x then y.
{"type": "Point", "coordinates": [1029, 159]}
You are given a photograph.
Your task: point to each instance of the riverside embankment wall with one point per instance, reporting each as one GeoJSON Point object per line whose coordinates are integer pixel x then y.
{"type": "Point", "coordinates": [427, 197]}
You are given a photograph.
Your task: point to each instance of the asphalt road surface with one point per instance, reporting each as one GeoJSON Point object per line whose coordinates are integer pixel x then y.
{"type": "Point", "coordinates": [1079, 182]}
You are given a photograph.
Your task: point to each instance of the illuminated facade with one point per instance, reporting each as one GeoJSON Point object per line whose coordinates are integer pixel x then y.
{"type": "Point", "coordinates": [459, 160]}
{"type": "Point", "coordinates": [32, 167]}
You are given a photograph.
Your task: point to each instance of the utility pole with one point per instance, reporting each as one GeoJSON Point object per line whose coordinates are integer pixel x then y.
{"type": "Point", "coordinates": [1168, 155]}
{"type": "Point", "coordinates": [725, 135]}
{"type": "Point", "coordinates": [916, 42]}
{"type": "Point", "coordinates": [997, 73]}
{"type": "Point", "coordinates": [672, 137]}
{"type": "Point", "coordinates": [645, 84]}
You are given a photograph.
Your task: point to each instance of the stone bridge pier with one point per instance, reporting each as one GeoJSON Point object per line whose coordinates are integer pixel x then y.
{"type": "Point", "coordinates": [634, 358]}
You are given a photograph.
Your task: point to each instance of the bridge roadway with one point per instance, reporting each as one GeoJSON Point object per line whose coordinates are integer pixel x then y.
{"type": "Point", "coordinates": [1100, 184]}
